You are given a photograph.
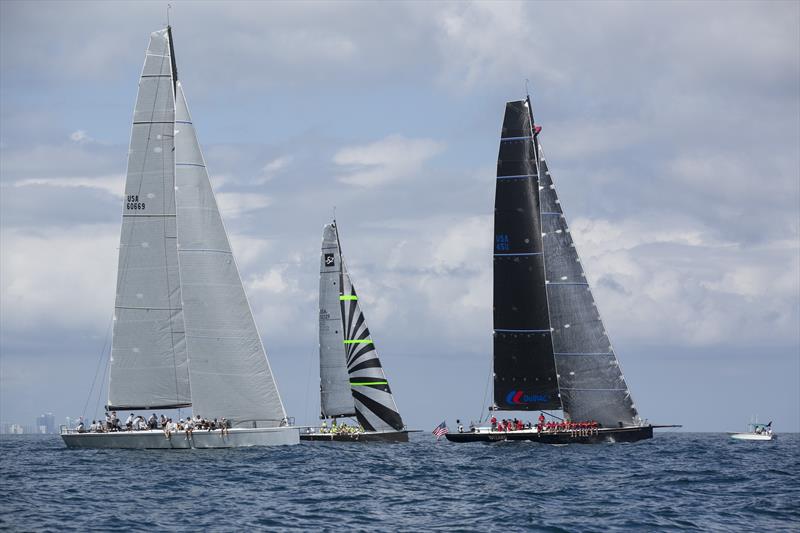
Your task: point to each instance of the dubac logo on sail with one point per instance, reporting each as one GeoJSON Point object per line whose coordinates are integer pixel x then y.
{"type": "Point", "coordinates": [518, 397]}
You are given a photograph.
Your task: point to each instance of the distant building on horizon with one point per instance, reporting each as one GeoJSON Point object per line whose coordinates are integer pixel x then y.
{"type": "Point", "coordinates": [46, 423]}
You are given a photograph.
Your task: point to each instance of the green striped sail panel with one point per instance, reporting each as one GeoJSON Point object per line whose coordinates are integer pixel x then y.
{"type": "Point", "coordinates": [348, 359]}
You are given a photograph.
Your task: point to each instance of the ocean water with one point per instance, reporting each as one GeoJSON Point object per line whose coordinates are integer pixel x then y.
{"type": "Point", "coordinates": [677, 481]}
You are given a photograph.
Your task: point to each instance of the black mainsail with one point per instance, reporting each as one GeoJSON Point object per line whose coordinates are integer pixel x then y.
{"type": "Point", "coordinates": [524, 368]}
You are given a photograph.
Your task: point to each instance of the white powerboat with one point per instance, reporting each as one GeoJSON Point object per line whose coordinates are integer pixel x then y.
{"type": "Point", "coordinates": [756, 432]}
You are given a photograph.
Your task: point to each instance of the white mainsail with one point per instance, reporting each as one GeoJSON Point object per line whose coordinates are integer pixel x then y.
{"type": "Point", "coordinates": [335, 395]}
{"type": "Point", "coordinates": [228, 367]}
{"type": "Point", "coordinates": [148, 354]}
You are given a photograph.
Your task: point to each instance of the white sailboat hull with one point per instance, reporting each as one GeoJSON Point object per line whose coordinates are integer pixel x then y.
{"type": "Point", "coordinates": [753, 436]}
{"type": "Point", "coordinates": [200, 439]}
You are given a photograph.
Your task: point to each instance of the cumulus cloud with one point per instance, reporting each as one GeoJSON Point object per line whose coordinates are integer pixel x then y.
{"type": "Point", "coordinates": [273, 168]}
{"type": "Point", "coordinates": [80, 136]}
{"type": "Point", "coordinates": [61, 276]}
{"type": "Point", "coordinates": [114, 185]}
{"type": "Point", "coordinates": [384, 161]}
{"type": "Point", "coordinates": [679, 167]}
{"type": "Point", "coordinates": [235, 204]}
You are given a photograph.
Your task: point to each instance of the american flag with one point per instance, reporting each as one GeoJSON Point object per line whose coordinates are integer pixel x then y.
{"type": "Point", "coordinates": [440, 430]}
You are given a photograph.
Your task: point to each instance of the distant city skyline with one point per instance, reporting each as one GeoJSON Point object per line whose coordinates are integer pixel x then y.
{"type": "Point", "coordinates": [671, 130]}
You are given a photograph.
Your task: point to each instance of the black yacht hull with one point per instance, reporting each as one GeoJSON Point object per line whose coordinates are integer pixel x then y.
{"type": "Point", "coordinates": [367, 436]}
{"type": "Point", "coordinates": [598, 436]}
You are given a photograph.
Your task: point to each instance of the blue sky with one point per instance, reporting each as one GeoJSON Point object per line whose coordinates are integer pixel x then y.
{"type": "Point", "coordinates": [671, 129]}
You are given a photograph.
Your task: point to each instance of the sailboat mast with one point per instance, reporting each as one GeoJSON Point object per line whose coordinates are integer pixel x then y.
{"type": "Point", "coordinates": [172, 59]}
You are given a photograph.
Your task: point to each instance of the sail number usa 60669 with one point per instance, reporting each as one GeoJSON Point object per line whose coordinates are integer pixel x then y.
{"type": "Point", "coordinates": [133, 202]}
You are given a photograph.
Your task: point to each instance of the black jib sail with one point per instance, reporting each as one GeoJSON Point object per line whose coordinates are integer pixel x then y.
{"type": "Point", "coordinates": [590, 380]}
{"type": "Point", "coordinates": [524, 368]}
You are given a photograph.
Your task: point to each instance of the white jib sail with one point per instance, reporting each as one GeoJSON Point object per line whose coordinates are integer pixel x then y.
{"type": "Point", "coordinates": [228, 367]}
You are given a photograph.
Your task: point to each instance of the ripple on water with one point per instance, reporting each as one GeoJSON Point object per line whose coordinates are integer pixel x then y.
{"type": "Point", "coordinates": [700, 482]}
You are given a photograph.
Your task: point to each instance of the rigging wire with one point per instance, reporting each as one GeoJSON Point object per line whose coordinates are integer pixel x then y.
{"type": "Point", "coordinates": [486, 391]}
{"type": "Point", "coordinates": [100, 389]}
{"type": "Point", "coordinates": [308, 384]}
{"type": "Point", "coordinates": [97, 369]}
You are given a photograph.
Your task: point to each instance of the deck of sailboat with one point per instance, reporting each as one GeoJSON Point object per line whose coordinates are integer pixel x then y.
{"type": "Point", "coordinates": [363, 436]}
{"type": "Point", "coordinates": [202, 439]}
{"type": "Point", "coordinates": [593, 436]}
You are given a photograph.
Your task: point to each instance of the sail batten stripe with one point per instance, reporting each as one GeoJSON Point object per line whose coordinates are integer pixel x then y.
{"type": "Point", "coordinates": [609, 354]}
{"type": "Point", "coordinates": [522, 330]}
{"type": "Point", "coordinates": [567, 283]}
{"type": "Point", "coordinates": [156, 75]}
{"type": "Point", "coordinates": [357, 341]}
{"type": "Point", "coordinates": [170, 215]}
{"type": "Point", "coordinates": [527, 253]}
{"type": "Point", "coordinates": [183, 122]}
{"type": "Point", "coordinates": [153, 122]}
{"type": "Point", "coordinates": [595, 390]}
{"type": "Point", "coordinates": [204, 250]}
{"type": "Point", "coordinates": [346, 297]}
{"type": "Point", "coordinates": [516, 177]}
{"type": "Point", "coordinates": [189, 165]}
{"type": "Point", "coordinates": [515, 138]}
{"type": "Point", "coordinates": [355, 383]}
{"type": "Point", "coordinates": [148, 308]}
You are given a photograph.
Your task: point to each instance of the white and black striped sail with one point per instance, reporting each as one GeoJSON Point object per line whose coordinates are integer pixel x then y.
{"type": "Point", "coordinates": [336, 399]}
{"type": "Point", "coordinates": [228, 366]}
{"type": "Point", "coordinates": [374, 403]}
{"type": "Point", "coordinates": [149, 367]}
{"type": "Point", "coordinates": [524, 368]}
{"type": "Point", "coordinates": [591, 383]}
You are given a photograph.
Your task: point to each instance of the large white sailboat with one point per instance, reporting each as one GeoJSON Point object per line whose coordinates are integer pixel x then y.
{"type": "Point", "coordinates": [184, 333]}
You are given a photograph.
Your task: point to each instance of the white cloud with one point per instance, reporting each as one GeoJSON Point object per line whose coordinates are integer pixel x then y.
{"type": "Point", "coordinates": [58, 276]}
{"type": "Point", "coordinates": [668, 279]}
{"type": "Point", "coordinates": [111, 184]}
{"type": "Point", "coordinates": [235, 204]}
{"type": "Point", "coordinates": [273, 168]}
{"type": "Point", "coordinates": [80, 136]}
{"type": "Point", "coordinates": [384, 161]}
{"type": "Point", "coordinates": [582, 139]}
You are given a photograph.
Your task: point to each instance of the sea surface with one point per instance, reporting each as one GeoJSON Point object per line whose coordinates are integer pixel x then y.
{"type": "Point", "coordinates": [677, 482]}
